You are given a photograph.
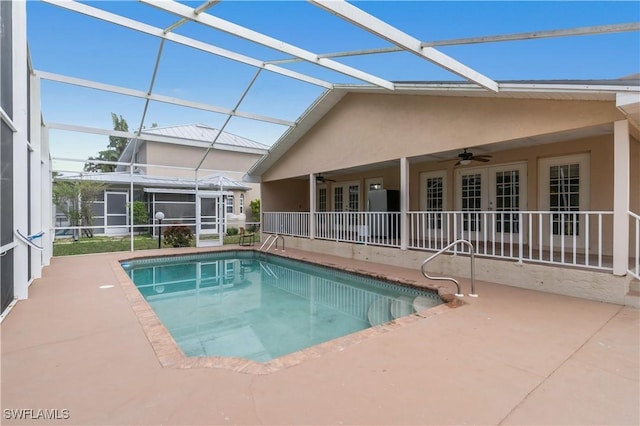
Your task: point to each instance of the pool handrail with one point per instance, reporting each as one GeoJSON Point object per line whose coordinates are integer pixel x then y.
{"type": "Point", "coordinates": [271, 240]}
{"type": "Point", "coordinates": [453, 280]}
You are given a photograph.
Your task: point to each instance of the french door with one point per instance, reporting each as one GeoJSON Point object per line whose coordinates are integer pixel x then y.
{"type": "Point", "coordinates": [346, 198]}
{"type": "Point", "coordinates": [564, 191]}
{"type": "Point", "coordinates": [433, 201]}
{"type": "Point", "coordinates": [490, 199]}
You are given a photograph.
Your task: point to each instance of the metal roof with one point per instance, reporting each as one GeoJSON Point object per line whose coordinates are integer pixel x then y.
{"type": "Point", "coordinates": [196, 134]}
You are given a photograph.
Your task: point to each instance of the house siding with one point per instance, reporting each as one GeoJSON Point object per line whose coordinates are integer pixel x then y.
{"type": "Point", "coordinates": [371, 128]}
{"type": "Point", "coordinates": [187, 156]}
{"type": "Point", "coordinates": [231, 163]}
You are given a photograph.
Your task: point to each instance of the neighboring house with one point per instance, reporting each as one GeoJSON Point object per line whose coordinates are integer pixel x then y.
{"type": "Point", "coordinates": [220, 195]}
{"type": "Point", "coordinates": [549, 200]}
{"type": "Point", "coordinates": [175, 197]}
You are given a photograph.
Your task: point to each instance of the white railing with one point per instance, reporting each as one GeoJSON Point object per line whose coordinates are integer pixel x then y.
{"type": "Point", "coordinates": [359, 227]}
{"type": "Point", "coordinates": [580, 239]}
{"type": "Point", "coordinates": [570, 238]}
{"type": "Point", "coordinates": [294, 224]}
{"type": "Point", "coordinates": [634, 249]}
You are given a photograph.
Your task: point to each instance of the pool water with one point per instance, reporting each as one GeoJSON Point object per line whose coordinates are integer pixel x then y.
{"type": "Point", "coordinates": [239, 305]}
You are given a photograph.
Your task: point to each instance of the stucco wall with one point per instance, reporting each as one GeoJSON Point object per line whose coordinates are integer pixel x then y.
{"type": "Point", "coordinates": [600, 286]}
{"type": "Point", "coordinates": [601, 170]}
{"type": "Point", "coordinates": [285, 196]}
{"type": "Point", "coordinates": [230, 163]}
{"type": "Point", "coordinates": [369, 128]}
{"type": "Point", "coordinates": [188, 156]}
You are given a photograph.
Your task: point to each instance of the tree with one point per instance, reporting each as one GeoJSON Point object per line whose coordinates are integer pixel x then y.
{"type": "Point", "coordinates": [255, 214]}
{"type": "Point", "coordinates": [75, 199]}
{"type": "Point", "coordinates": [115, 148]}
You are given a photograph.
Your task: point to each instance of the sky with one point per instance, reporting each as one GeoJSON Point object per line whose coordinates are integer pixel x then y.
{"type": "Point", "coordinates": [71, 44]}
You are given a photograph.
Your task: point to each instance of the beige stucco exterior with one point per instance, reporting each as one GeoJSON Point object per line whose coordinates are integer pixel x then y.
{"type": "Point", "coordinates": [232, 164]}
{"type": "Point", "coordinates": [367, 137]}
{"type": "Point", "coordinates": [372, 128]}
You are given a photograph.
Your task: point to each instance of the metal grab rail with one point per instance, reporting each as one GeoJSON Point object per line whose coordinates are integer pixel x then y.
{"type": "Point", "coordinates": [267, 241]}
{"type": "Point", "coordinates": [453, 280]}
{"type": "Point", "coordinates": [271, 240]}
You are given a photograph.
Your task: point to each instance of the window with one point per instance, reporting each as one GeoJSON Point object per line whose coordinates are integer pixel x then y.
{"type": "Point", "coordinates": [564, 188]}
{"type": "Point", "coordinates": [471, 201]}
{"type": "Point", "coordinates": [434, 200]}
{"type": "Point", "coordinates": [564, 196]}
{"type": "Point", "coordinates": [337, 199]}
{"type": "Point", "coordinates": [354, 198]}
{"type": "Point", "coordinates": [507, 189]}
{"type": "Point", "coordinates": [230, 204]}
{"type": "Point", "coordinates": [433, 193]}
{"type": "Point", "coordinates": [322, 199]}
{"type": "Point", "coordinates": [241, 205]}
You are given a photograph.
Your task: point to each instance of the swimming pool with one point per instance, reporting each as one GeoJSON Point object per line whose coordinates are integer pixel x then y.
{"type": "Point", "coordinates": [236, 304]}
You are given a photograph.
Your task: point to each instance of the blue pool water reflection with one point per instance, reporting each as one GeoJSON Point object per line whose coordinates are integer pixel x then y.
{"type": "Point", "coordinates": [235, 304]}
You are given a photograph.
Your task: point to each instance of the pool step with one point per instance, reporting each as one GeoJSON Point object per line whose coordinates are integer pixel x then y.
{"type": "Point", "coordinates": [402, 306]}
{"type": "Point", "coordinates": [384, 309]}
{"type": "Point", "coordinates": [379, 311]}
{"type": "Point", "coordinates": [422, 303]}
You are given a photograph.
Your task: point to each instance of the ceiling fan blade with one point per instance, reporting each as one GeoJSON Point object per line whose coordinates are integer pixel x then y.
{"type": "Point", "coordinates": [457, 163]}
{"type": "Point", "coordinates": [481, 159]}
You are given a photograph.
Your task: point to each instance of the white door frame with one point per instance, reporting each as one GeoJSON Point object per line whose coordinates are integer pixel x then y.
{"type": "Point", "coordinates": [495, 230]}
{"type": "Point", "coordinates": [205, 236]}
{"type": "Point", "coordinates": [437, 225]}
{"type": "Point", "coordinates": [544, 165]}
{"type": "Point", "coordinates": [348, 223]}
{"type": "Point", "coordinates": [116, 229]}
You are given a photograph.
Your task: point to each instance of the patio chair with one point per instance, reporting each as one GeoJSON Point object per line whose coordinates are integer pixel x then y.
{"type": "Point", "coordinates": [246, 238]}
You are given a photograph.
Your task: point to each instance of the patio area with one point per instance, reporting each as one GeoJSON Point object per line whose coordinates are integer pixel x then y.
{"type": "Point", "coordinates": [511, 356]}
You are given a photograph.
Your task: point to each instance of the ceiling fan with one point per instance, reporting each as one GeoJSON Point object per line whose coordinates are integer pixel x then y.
{"type": "Point", "coordinates": [466, 157]}
{"type": "Point", "coordinates": [322, 179]}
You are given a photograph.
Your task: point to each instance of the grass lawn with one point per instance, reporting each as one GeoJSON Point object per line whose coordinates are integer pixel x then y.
{"type": "Point", "coordinates": [102, 244]}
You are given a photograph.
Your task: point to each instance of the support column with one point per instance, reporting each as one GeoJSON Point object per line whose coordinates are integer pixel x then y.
{"type": "Point", "coordinates": [20, 120]}
{"type": "Point", "coordinates": [312, 206]}
{"type": "Point", "coordinates": [620, 197]}
{"type": "Point", "coordinates": [404, 202]}
{"type": "Point", "coordinates": [36, 177]}
{"type": "Point", "coordinates": [46, 184]}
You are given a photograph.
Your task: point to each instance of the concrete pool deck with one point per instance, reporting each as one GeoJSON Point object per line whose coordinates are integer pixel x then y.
{"type": "Point", "coordinates": [511, 356]}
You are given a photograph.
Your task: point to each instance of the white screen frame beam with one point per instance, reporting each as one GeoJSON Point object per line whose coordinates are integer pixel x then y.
{"type": "Point", "coordinates": [362, 19]}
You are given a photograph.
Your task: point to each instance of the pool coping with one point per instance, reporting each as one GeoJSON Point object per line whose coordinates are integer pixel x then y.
{"type": "Point", "coordinates": [170, 355]}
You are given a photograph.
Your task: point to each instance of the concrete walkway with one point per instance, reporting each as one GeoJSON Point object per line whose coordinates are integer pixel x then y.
{"type": "Point", "coordinates": [511, 356]}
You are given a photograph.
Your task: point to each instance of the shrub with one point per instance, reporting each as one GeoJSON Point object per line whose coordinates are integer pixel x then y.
{"type": "Point", "coordinates": [255, 210]}
{"type": "Point", "coordinates": [140, 216]}
{"type": "Point", "coordinates": [178, 236]}
{"type": "Point", "coordinates": [232, 231]}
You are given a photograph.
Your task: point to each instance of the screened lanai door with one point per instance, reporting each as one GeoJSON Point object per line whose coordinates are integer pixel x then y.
{"type": "Point", "coordinates": [209, 216]}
